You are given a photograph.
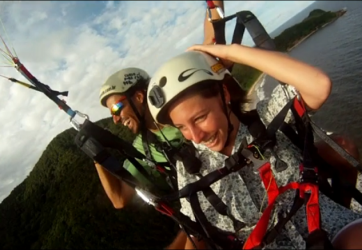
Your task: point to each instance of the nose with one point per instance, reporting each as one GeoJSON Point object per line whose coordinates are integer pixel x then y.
{"type": "Point", "coordinates": [196, 134]}
{"type": "Point", "coordinates": [116, 118]}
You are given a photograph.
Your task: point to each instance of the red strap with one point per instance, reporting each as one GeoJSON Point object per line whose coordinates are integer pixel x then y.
{"type": "Point", "coordinates": [211, 4]}
{"type": "Point", "coordinates": [160, 169]}
{"type": "Point", "coordinates": [61, 106]}
{"type": "Point", "coordinates": [163, 208]}
{"type": "Point", "coordinates": [268, 179]}
{"type": "Point", "coordinates": [299, 106]}
{"type": "Point", "coordinates": [312, 207]}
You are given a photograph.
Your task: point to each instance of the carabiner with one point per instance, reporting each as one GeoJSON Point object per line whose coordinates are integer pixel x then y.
{"type": "Point", "coordinates": [255, 157]}
{"type": "Point", "coordinates": [219, 11]}
{"type": "Point", "coordinates": [148, 198]}
{"type": "Point", "coordinates": [77, 125]}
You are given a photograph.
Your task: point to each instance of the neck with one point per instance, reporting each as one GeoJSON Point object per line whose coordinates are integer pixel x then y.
{"type": "Point", "coordinates": [231, 142]}
{"type": "Point", "coordinates": [150, 123]}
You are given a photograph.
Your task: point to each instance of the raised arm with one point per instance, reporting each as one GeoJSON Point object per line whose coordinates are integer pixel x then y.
{"type": "Point", "coordinates": [312, 83]}
{"type": "Point", "coordinates": [208, 28]}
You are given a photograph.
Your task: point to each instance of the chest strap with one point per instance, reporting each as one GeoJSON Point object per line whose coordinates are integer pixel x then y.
{"type": "Point", "coordinates": [307, 188]}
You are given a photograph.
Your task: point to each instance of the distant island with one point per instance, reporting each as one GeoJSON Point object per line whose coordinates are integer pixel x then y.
{"type": "Point", "coordinates": [288, 40]}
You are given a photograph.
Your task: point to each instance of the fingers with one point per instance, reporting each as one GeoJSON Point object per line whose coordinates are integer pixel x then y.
{"type": "Point", "coordinates": [217, 50]}
{"type": "Point", "coordinates": [196, 47]}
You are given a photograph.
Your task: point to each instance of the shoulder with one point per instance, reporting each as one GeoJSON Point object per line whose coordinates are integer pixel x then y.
{"type": "Point", "coordinates": [268, 108]}
{"type": "Point", "coordinates": [171, 131]}
{"type": "Point", "coordinates": [172, 134]}
{"type": "Point", "coordinates": [137, 143]}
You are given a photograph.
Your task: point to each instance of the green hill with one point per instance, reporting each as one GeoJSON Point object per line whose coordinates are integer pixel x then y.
{"type": "Point", "coordinates": [62, 205]}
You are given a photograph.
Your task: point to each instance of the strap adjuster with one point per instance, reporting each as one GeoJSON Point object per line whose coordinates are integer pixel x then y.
{"type": "Point", "coordinates": [236, 161]}
{"type": "Point", "coordinates": [308, 175]}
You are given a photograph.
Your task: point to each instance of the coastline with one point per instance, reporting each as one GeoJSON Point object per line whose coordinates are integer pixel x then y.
{"type": "Point", "coordinates": [251, 92]}
{"type": "Point", "coordinates": [251, 95]}
{"type": "Point", "coordinates": [312, 33]}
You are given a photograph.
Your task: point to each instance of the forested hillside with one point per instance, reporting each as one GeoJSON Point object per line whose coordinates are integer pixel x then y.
{"type": "Point", "coordinates": [62, 205]}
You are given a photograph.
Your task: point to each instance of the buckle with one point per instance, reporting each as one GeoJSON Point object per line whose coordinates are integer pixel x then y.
{"type": "Point", "coordinates": [308, 175]}
{"type": "Point", "coordinates": [147, 197]}
{"type": "Point", "coordinates": [76, 124]}
{"type": "Point", "coordinates": [219, 11]}
{"type": "Point", "coordinates": [256, 159]}
{"type": "Point", "coordinates": [236, 161]}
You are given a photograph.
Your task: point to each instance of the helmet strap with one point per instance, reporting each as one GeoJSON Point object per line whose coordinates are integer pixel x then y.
{"type": "Point", "coordinates": [227, 114]}
{"type": "Point", "coordinates": [140, 117]}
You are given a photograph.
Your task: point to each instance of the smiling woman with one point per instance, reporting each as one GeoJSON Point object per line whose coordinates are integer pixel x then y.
{"type": "Point", "coordinates": [205, 110]}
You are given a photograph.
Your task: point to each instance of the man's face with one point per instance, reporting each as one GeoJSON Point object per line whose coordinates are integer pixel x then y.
{"type": "Point", "coordinates": [122, 112]}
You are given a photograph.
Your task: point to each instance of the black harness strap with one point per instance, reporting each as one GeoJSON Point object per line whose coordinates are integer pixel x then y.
{"type": "Point", "coordinates": [96, 151]}
{"type": "Point", "coordinates": [107, 139]}
{"type": "Point", "coordinates": [318, 238]}
{"type": "Point", "coordinates": [92, 140]}
{"type": "Point", "coordinates": [225, 239]}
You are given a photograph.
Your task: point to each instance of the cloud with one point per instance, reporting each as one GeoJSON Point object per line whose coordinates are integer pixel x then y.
{"type": "Point", "coordinates": [75, 46]}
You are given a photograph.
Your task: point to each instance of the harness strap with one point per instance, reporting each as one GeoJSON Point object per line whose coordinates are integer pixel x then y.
{"type": "Point", "coordinates": [337, 184]}
{"type": "Point", "coordinates": [307, 186]}
{"type": "Point", "coordinates": [107, 139]}
{"type": "Point", "coordinates": [218, 25]}
{"type": "Point", "coordinates": [145, 143]}
{"type": "Point", "coordinates": [226, 240]}
{"type": "Point", "coordinates": [273, 232]}
{"type": "Point", "coordinates": [232, 164]}
{"type": "Point", "coordinates": [273, 191]}
{"type": "Point", "coordinates": [255, 239]}
{"type": "Point", "coordinates": [221, 207]}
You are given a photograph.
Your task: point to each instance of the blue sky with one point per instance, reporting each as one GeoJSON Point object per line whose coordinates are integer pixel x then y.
{"type": "Point", "coordinates": [75, 46]}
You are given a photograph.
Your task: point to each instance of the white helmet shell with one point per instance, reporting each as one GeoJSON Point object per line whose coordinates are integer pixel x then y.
{"type": "Point", "coordinates": [177, 75]}
{"type": "Point", "coordinates": [120, 82]}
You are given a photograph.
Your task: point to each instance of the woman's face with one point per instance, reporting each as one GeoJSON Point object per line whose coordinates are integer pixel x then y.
{"type": "Point", "coordinates": [201, 120]}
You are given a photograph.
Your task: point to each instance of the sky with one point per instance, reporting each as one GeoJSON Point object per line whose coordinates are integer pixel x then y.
{"type": "Point", "coordinates": [75, 46]}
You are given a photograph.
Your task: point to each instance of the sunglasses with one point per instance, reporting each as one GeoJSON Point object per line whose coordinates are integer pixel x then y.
{"type": "Point", "coordinates": [117, 107]}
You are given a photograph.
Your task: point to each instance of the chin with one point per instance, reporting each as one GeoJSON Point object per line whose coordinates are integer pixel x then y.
{"type": "Point", "coordinates": [135, 130]}
{"type": "Point", "coordinates": [217, 148]}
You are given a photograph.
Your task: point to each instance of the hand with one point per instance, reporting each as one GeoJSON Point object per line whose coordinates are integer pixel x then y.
{"type": "Point", "coordinates": [217, 50]}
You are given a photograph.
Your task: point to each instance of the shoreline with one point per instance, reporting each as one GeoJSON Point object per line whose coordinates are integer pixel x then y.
{"type": "Point", "coordinates": [251, 93]}
{"type": "Point", "coordinates": [310, 34]}
{"type": "Point", "coordinates": [253, 86]}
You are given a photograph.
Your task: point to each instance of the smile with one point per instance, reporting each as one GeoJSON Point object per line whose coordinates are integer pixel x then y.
{"type": "Point", "coordinates": [210, 140]}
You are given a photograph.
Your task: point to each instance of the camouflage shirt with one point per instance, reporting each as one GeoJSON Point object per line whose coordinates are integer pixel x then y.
{"type": "Point", "coordinates": [245, 195]}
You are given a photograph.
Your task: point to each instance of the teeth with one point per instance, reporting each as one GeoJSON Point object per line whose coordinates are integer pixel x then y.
{"type": "Point", "coordinates": [126, 122]}
{"type": "Point", "coordinates": [210, 140]}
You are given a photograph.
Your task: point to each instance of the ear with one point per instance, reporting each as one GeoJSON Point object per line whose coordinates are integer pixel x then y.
{"type": "Point", "coordinates": [226, 94]}
{"type": "Point", "coordinates": [139, 96]}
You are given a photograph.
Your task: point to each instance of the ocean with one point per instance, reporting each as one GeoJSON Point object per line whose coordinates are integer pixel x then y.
{"type": "Point", "coordinates": [337, 50]}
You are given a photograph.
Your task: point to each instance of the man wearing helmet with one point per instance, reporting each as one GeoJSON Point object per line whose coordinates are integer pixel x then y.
{"type": "Point", "coordinates": [133, 82]}
{"type": "Point", "coordinates": [124, 93]}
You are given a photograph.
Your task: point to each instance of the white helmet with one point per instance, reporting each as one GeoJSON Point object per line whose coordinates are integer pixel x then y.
{"type": "Point", "coordinates": [121, 81]}
{"type": "Point", "coordinates": [177, 75]}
